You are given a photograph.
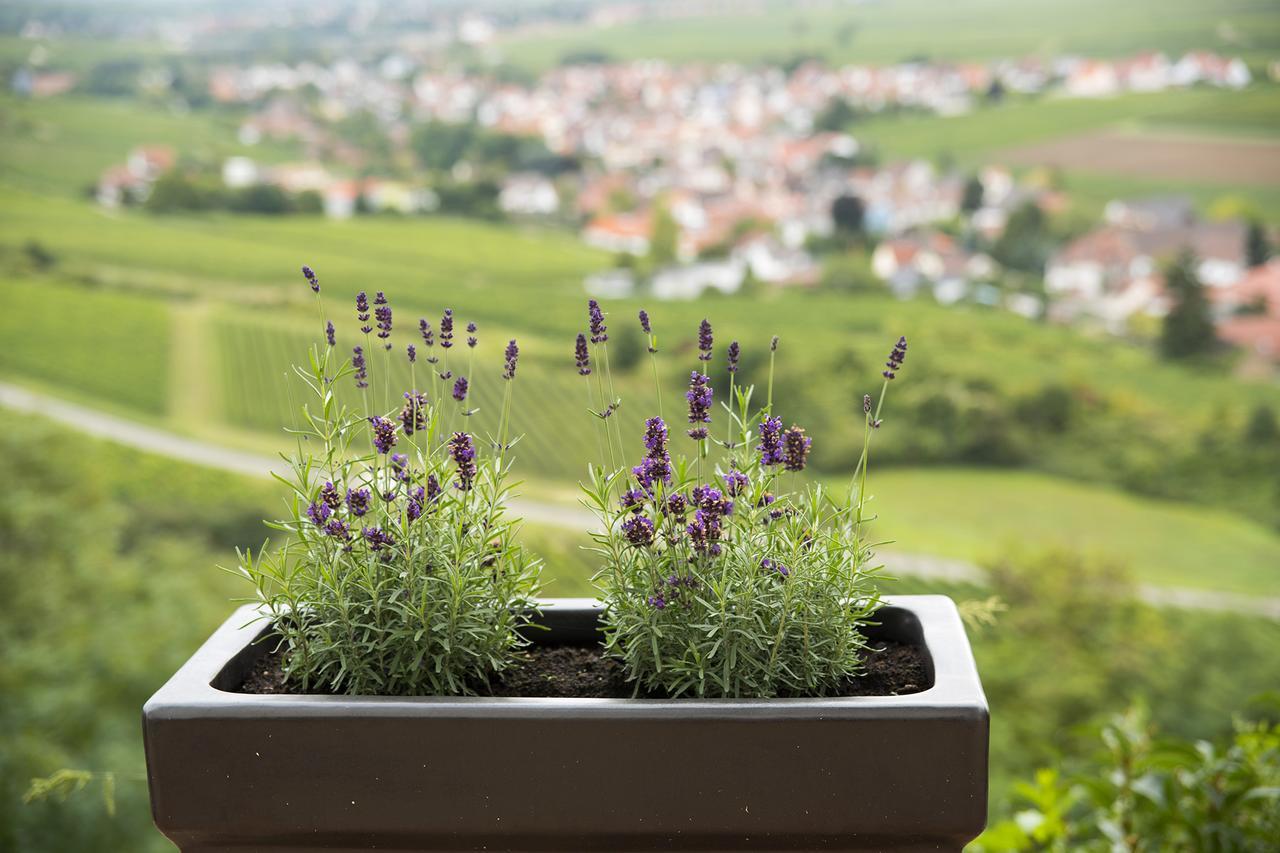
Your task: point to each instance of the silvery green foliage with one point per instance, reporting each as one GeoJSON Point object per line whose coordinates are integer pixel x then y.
{"type": "Point", "coordinates": [422, 592]}
{"type": "Point", "coordinates": [725, 577]}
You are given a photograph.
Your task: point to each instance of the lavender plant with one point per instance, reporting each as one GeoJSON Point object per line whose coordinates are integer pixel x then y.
{"type": "Point", "coordinates": [398, 572]}
{"type": "Point", "coordinates": [723, 574]}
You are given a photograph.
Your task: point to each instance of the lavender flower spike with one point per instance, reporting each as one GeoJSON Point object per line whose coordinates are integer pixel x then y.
{"type": "Point", "coordinates": [428, 336]}
{"type": "Point", "coordinates": [773, 344]}
{"type": "Point", "coordinates": [699, 397]}
{"type": "Point", "coordinates": [463, 452]}
{"type": "Point", "coordinates": [595, 320]}
{"type": "Point", "coordinates": [899, 355]}
{"type": "Point", "coordinates": [329, 333]}
{"type": "Point", "coordinates": [362, 312]}
{"type": "Point", "coordinates": [771, 441]}
{"type": "Point", "coordinates": [412, 352]}
{"type": "Point", "coordinates": [446, 329]}
{"type": "Point", "coordinates": [733, 355]}
{"type": "Point", "coordinates": [580, 357]}
{"type": "Point", "coordinates": [472, 340]}
{"type": "Point", "coordinates": [704, 340]}
{"type": "Point", "coordinates": [795, 448]}
{"type": "Point", "coordinates": [384, 433]}
{"type": "Point", "coordinates": [460, 389]}
{"type": "Point", "coordinates": [644, 322]}
{"type": "Point", "coordinates": [310, 275]}
{"type": "Point", "coordinates": [382, 311]}
{"type": "Point", "coordinates": [512, 354]}
{"type": "Point", "coordinates": [357, 362]}
{"type": "Point", "coordinates": [638, 531]}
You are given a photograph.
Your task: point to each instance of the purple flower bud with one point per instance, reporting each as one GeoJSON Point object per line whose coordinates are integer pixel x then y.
{"type": "Point", "coordinates": [638, 530]}
{"type": "Point", "coordinates": [362, 311]}
{"type": "Point", "coordinates": [472, 340]}
{"type": "Point", "coordinates": [310, 275]}
{"type": "Point", "coordinates": [866, 404]}
{"type": "Point", "coordinates": [412, 352]}
{"type": "Point", "coordinates": [632, 499]}
{"type": "Point", "coordinates": [595, 323]}
{"type": "Point", "coordinates": [460, 389]}
{"type": "Point", "coordinates": [774, 566]}
{"type": "Point", "coordinates": [378, 539]}
{"type": "Point", "coordinates": [657, 602]}
{"type": "Point", "coordinates": [382, 311]}
{"type": "Point", "coordinates": [677, 504]}
{"type": "Point", "coordinates": [329, 333]}
{"type": "Point", "coordinates": [433, 490]}
{"type": "Point", "coordinates": [446, 329]}
{"type": "Point", "coordinates": [400, 466]}
{"type": "Point", "coordinates": [735, 482]}
{"type": "Point", "coordinates": [463, 452]}
{"type": "Point", "coordinates": [338, 529]}
{"type": "Point", "coordinates": [733, 357]}
{"type": "Point", "coordinates": [771, 441]}
{"type": "Point", "coordinates": [512, 354]}
{"type": "Point", "coordinates": [795, 448]}
{"type": "Point", "coordinates": [896, 357]}
{"type": "Point", "coordinates": [358, 501]}
{"type": "Point", "coordinates": [428, 336]}
{"type": "Point", "coordinates": [580, 356]}
{"type": "Point", "coordinates": [699, 396]}
{"type": "Point", "coordinates": [773, 344]}
{"type": "Point", "coordinates": [318, 513]}
{"type": "Point", "coordinates": [384, 433]}
{"type": "Point", "coordinates": [704, 340]}
{"type": "Point", "coordinates": [329, 496]}
{"type": "Point", "coordinates": [357, 361]}
{"type": "Point", "coordinates": [644, 322]}
{"type": "Point", "coordinates": [413, 416]}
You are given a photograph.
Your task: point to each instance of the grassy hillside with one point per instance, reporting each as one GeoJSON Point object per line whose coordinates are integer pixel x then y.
{"type": "Point", "coordinates": [899, 30]}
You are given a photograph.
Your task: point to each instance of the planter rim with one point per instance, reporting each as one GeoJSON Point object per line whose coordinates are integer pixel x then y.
{"type": "Point", "coordinates": [956, 688]}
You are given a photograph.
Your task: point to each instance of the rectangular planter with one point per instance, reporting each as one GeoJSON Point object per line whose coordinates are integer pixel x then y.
{"type": "Point", "coordinates": [232, 771]}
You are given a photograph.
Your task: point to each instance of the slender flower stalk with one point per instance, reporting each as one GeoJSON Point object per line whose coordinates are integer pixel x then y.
{"type": "Point", "coordinates": [647, 328]}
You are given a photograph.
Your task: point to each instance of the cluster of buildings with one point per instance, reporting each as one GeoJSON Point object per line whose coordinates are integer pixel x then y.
{"type": "Point", "coordinates": [1115, 273]}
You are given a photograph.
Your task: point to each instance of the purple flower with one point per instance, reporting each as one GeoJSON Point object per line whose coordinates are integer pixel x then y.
{"type": "Point", "coordinates": [656, 466]}
{"type": "Point", "coordinates": [638, 530]}
{"type": "Point", "coordinates": [358, 501]}
{"type": "Point", "coordinates": [657, 602]}
{"type": "Point", "coordinates": [709, 499]}
{"type": "Point", "coordinates": [362, 312]}
{"type": "Point", "coordinates": [400, 466]}
{"type": "Point", "coordinates": [413, 416]}
{"type": "Point", "coordinates": [699, 397]}
{"type": "Point", "coordinates": [463, 452]}
{"type": "Point", "coordinates": [655, 438]}
{"type": "Point", "coordinates": [595, 323]}
{"type": "Point", "coordinates": [735, 482]}
{"type": "Point", "coordinates": [329, 496]}
{"type": "Point", "coordinates": [580, 357]}
{"type": "Point", "coordinates": [644, 322]}
{"type": "Point", "coordinates": [413, 510]}
{"type": "Point", "coordinates": [412, 352]}
{"type": "Point", "coordinates": [766, 499]}
{"type": "Point", "coordinates": [338, 529]}
{"type": "Point", "coordinates": [771, 441]}
{"type": "Point", "coordinates": [512, 354]}
{"type": "Point", "coordinates": [632, 499]}
{"type": "Point", "coordinates": [318, 513]}
{"type": "Point", "coordinates": [310, 275]}
{"type": "Point", "coordinates": [357, 362]}
{"type": "Point", "coordinates": [774, 566]}
{"type": "Point", "coordinates": [378, 539]}
{"type": "Point", "coordinates": [460, 389]}
{"type": "Point", "coordinates": [704, 340]}
{"type": "Point", "coordinates": [428, 336]}
{"type": "Point", "coordinates": [677, 504]}
{"type": "Point", "coordinates": [866, 404]}
{"type": "Point", "coordinates": [795, 448]}
{"type": "Point", "coordinates": [329, 333]}
{"type": "Point", "coordinates": [733, 357]}
{"type": "Point", "coordinates": [896, 357]}
{"type": "Point", "coordinates": [704, 532]}
{"type": "Point", "coordinates": [433, 490]}
{"type": "Point", "coordinates": [382, 311]}
{"type": "Point", "coordinates": [472, 340]}
{"type": "Point", "coordinates": [446, 329]}
{"type": "Point", "coordinates": [384, 433]}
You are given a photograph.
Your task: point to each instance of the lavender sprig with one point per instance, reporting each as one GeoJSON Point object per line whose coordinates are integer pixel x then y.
{"type": "Point", "coordinates": [595, 323]}
{"type": "Point", "coordinates": [362, 312]}
{"type": "Point", "coordinates": [310, 275]}
{"type": "Point", "coordinates": [704, 340]}
{"type": "Point", "coordinates": [511, 355]}
{"type": "Point", "coordinates": [699, 396]}
{"type": "Point", "coordinates": [581, 359]}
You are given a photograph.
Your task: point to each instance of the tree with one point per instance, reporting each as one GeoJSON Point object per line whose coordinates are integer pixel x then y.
{"type": "Point", "coordinates": [1262, 429]}
{"type": "Point", "coordinates": [1188, 329]}
{"type": "Point", "coordinates": [847, 214]}
{"type": "Point", "coordinates": [972, 198]}
{"type": "Point", "coordinates": [837, 115]}
{"type": "Point", "coordinates": [1257, 248]}
{"type": "Point", "coordinates": [1025, 243]}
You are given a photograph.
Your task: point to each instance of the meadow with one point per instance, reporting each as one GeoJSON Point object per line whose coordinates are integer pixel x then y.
{"type": "Point", "coordinates": [895, 32]}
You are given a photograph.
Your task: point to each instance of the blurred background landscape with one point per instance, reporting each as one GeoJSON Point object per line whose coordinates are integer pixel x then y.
{"type": "Point", "coordinates": [1067, 206]}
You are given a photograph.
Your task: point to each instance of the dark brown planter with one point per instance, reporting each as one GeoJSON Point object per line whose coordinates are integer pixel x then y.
{"type": "Point", "coordinates": [231, 771]}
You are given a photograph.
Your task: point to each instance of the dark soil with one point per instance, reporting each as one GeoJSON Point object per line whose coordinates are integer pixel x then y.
{"type": "Point", "coordinates": [892, 669]}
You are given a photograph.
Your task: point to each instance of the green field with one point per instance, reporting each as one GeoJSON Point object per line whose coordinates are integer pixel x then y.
{"type": "Point", "coordinates": [901, 30]}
